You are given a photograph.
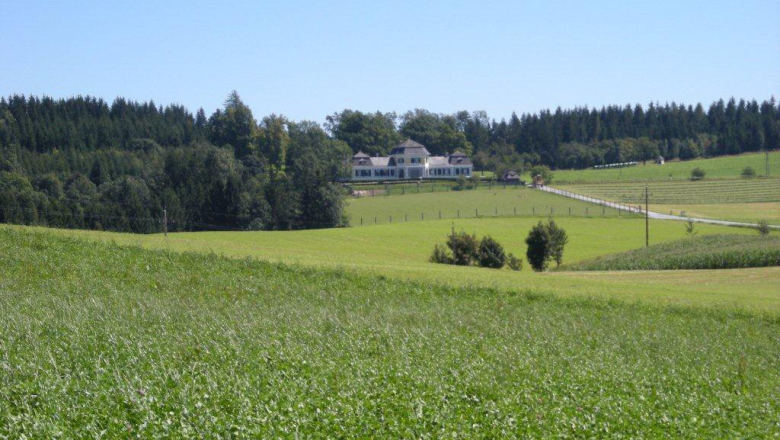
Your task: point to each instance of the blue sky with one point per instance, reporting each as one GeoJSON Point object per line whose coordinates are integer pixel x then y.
{"type": "Point", "coordinates": [307, 59]}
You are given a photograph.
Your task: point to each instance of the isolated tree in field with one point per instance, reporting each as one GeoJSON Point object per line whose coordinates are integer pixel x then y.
{"type": "Point", "coordinates": [464, 247]}
{"type": "Point", "coordinates": [538, 252]}
{"type": "Point", "coordinates": [763, 228]}
{"type": "Point", "coordinates": [697, 173]}
{"type": "Point", "coordinates": [558, 241]}
{"type": "Point", "coordinates": [748, 173]}
{"type": "Point", "coordinates": [491, 253]}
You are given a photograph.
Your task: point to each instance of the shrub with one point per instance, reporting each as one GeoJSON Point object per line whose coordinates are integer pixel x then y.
{"type": "Point", "coordinates": [514, 263]}
{"type": "Point", "coordinates": [542, 170]}
{"type": "Point", "coordinates": [538, 252]}
{"type": "Point", "coordinates": [464, 247]}
{"type": "Point", "coordinates": [440, 255]}
{"type": "Point", "coordinates": [491, 253]}
{"type": "Point", "coordinates": [697, 173]}
{"type": "Point", "coordinates": [558, 240]}
{"type": "Point", "coordinates": [689, 229]}
{"type": "Point", "coordinates": [748, 173]}
{"type": "Point", "coordinates": [763, 228]}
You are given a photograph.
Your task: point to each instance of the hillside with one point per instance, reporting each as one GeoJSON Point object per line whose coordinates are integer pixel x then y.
{"type": "Point", "coordinates": [101, 340]}
{"type": "Point", "coordinates": [707, 252]}
{"type": "Point", "coordinates": [400, 252]}
{"type": "Point", "coordinates": [725, 167]}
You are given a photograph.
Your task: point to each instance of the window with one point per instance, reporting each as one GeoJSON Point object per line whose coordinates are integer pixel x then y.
{"type": "Point", "coordinates": [401, 160]}
{"type": "Point", "coordinates": [415, 160]}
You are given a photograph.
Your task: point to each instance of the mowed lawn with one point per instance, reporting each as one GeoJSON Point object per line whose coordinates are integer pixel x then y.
{"type": "Point", "coordinates": [106, 341]}
{"type": "Point", "coordinates": [498, 202]}
{"type": "Point", "coordinates": [724, 167]}
{"type": "Point", "coordinates": [401, 250]}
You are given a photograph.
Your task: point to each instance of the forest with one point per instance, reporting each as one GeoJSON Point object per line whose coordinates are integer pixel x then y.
{"type": "Point", "coordinates": [139, 167]}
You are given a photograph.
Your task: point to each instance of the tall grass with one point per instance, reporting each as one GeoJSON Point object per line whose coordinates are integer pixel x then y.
{"type": "Point", "coordinates": [98, 340]}
{"type": "Point", "coordinates": [706, 252]}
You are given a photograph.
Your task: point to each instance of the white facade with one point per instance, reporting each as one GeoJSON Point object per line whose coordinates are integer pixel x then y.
{"type": "Point", "coordinates": [410, 160]}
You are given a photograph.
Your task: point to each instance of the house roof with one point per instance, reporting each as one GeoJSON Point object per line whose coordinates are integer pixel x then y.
{"type": "Point", "coordinates": [361, 159]}
{"type": "Point", "coordinates": [458, 158]}
{"type": "Point", "coordinates": [510, 175]}
{"type": "Point", "coordinates": [438, 161]}
{"type": "Point", "coordinates": [410, 147]}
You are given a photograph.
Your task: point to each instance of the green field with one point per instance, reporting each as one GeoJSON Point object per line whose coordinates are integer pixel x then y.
{"type": "Point", "coordinates": [116, 342]}
{"type": "Point", "coordinates": [739, 200]}
{"type": "Point", "coordinates": [725, 167]}
{"type": "Point", "coordinates": [705, 252]}
{"type": "Point", "coordinates": [401, 251]}
{"type": "Point", "coordinates": [498, 202]}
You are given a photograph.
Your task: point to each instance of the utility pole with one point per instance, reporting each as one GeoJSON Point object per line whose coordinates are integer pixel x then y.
{"type": "Point", "coordinates": [165, 222]}
{"type": "Point", "coordinates": [647, 217]}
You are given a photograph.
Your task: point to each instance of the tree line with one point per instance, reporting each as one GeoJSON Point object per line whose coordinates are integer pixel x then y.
{"type": "Point", "coordinates": [80, 163]}
{"type": "Point", "coordinates": [83, 163]}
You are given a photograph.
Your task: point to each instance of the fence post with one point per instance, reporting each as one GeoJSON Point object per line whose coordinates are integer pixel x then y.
{"type": "Point", "coordinates": [422, 216]}
{"type": "Point", "coordinates": [551, 209]}
{"type": "Point", "coordinates": [476, 212]}
{"type": "Point", "coordinates": [374, 220]}
{"type": "Point", "coordinates": [496, 210]}
{"type": "Point", "coordinates": [459, 213]}
{"type": "Point", "coordinates": [570, 210]}
{"type": "Point", "coordinates": [391, 219]}
{"type": "Point", "coordinates": [405, 218]}
{"type": "Point", "coordinates": [361, 221]}
{"type": "Point", "coordinates": [515, 210]}
{"type": "Point", "coordinates": [603, 210]}
{"type": "Point", "coordinates": [439, 215]}
{"type": "Point", "coordinates": [533, 210]}
{"type": "Point", "coordinates": [586, 210]}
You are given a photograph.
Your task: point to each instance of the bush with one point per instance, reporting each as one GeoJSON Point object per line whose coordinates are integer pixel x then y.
{"type": "Point", "coordinates": [697, 173]}
{"type": "Point", "coordinates": [491, 253]}
{"type": "Point", "coordinates": [440, 255]}
{"type": "Point", "coordinates": [514, 263]}
{"type": "Point", "coordinates": [542, 170]}
{"type": "Point", "coordinates": [748, 173]}
{"type": "Point", "coordinates": [763, 228]}
{"type": "Point", "coordinates": [558, 240]}
{"type": "Point", "coordinates": [538, 252]}
{"type": "Point", "coordinates": [464, 247]}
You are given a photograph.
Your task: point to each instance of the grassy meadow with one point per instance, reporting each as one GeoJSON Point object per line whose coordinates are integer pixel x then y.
{"type": "Point", "coordinates": [724, 167]}
{"type": "Point", "coordinates": [400, 251]}
{"type": "Point", "coordinates": [738, 200]}
{"type": "Point", "coordinates": [100, 340]}
{"type": "Point", "coordinates": [498, 202]}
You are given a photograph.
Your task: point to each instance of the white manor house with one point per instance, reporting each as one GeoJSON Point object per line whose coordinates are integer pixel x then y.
{"type": "Point", "coordinates": [410, 160]}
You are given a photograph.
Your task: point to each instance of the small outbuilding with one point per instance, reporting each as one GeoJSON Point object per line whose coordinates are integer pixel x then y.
{"type": "Point", "coordinates": [510, 176]}
{"type": "Point", "coordinates": [660, 160]}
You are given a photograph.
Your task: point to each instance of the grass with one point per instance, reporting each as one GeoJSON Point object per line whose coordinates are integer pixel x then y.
{"type": "Point", "coordinates": [738, 200]}
{"type": "Point", "coordinates": [400, 251]}
{"type": "Point", "coordinates": [724, 167]}
{"type": "Point", "coordinates": [468, 204]}
{"type": "Point", "coordinates": [707, 252]}
{"type": "Point", "coordinates": [98, 340]}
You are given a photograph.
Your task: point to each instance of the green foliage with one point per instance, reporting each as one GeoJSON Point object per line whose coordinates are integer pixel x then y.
{"type": "Point", "coordinates": [101, 340]}
{"type": "Point", "coordinates": [705, 252]}
{"type": "Point", "coordinates": [542, 170]}
{"type": "Point", "coordinates": [441, 255]}
{"type": "Point", "coordinates": [514, 263]}
{"type": "Point", "coordinates": [698, 174]}
{"type": "Point", "coordinates": [763, 228]}
{"type": "Point", "coordinates": [558, 241]}
{"type": "Point", "coordinates": [491, 253]}
{"type": "Point", "coordinates": [538, 251]}
{"type": "Point", "coordinates": [748, 173]}
{"type": "Point", "coordinates": [464, 248]}
{"type": "Point", "coordinates": [690, 230]}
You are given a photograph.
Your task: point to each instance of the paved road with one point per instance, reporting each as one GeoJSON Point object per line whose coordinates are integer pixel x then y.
{"type": "Point", "coordinates": [638, 209]}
